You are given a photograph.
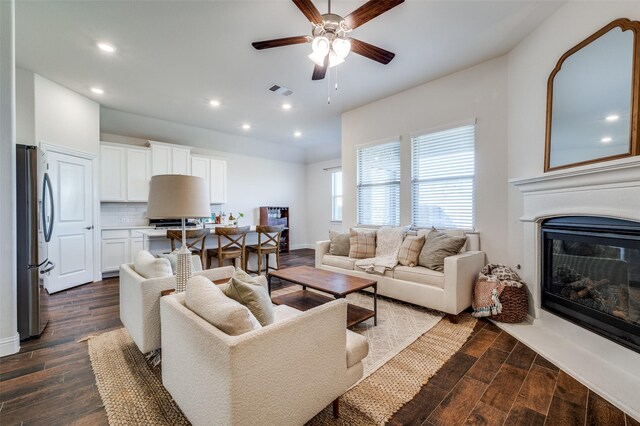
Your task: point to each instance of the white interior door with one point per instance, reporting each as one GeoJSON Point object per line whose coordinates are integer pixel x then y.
{"type": "Point", "coordinates": [71, 245]}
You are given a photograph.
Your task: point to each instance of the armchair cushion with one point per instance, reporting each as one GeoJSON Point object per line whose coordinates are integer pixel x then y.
{"type": "Point", "coordinates": [210, 303]}
{"type": "Point", "coordinates": [148, 266]}
{"type": "Point", "coordinates": [357, 348]}
{"type": "Point", "coordinates": [254, 297]}
{"type": "Point", "coordinates": [437, 246]}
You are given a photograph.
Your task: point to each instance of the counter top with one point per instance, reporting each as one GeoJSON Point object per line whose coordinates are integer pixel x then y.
{"type": "Point", "coordinates": [107, 228]}
{"type": "Point", "coordinates": [157, 233]}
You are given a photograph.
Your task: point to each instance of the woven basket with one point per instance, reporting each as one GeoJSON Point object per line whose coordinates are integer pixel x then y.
{"type": "Point", "coordinates": [515, 305]}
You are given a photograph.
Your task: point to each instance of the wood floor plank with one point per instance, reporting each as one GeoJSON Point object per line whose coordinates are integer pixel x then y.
{"type": "Point", "coordinates": [486, 415]}
{"type": "Point", "coordinates": [486, 368]}
{"type": "Point", "coordinates": [479, 343]}
{"type": "Point", "coordinates": [416, 411]}
{"type": "Point", "coordinates": [565, 413]}
{"type": "Point", "coordinates": [457, 406]}
{"type": "Point", "coordinates": [504, 388]}
{"type": "Point", "coordinates": [521, 356]}
{"type": "Point", "coordinates": [505, 342]}
{"type": "Point", "coordinates": [571, 390]}
{"type": "Point", "coordinates": [457, 367]}
{"type": "Point", "coordinates": [537, 390]}
{"type": "Point", "coordinates": [631, 421]}
{"type": "Point", "coordinates": [543, 362]}
{"type": "Point", "coordinates": [523, 416]}
{"type": "Point", "coordinates": [601, 412]}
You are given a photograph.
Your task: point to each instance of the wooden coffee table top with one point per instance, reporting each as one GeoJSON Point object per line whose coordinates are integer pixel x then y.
{"type": "Point", "coordinates": [329, 282]}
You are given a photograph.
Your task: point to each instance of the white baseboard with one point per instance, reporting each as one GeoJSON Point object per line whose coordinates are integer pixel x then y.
{"type": "Point", "coordinates": [302, 246]}
{"type": "Point", "coordinates": [10, 345]}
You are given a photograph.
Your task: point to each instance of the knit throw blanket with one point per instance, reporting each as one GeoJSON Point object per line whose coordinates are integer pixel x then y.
{"type": "Point", "coordinates": [492, 279]}
{"type": "Point", "coordinates": [388, 242]}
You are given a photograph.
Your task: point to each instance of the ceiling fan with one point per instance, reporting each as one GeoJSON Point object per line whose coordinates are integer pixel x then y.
{"type": "Point", "coordinates": [329, 35]}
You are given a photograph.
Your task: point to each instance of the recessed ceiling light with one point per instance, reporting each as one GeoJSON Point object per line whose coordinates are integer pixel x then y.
{"type": "Point", "coordinates": [286, 106]}
{"type": "Point", "coordinates": [297, 134]}
{"type": "Point", "coordinates": [214, 103]}
{"type": "Point", "coordinates": [246, 126]}
{"type": "Point", "coordinates": [97, 90]}
{"type": "Point", "coordinates": [106, 47]}
{"type": "Point", "coordinates": [606, 139]}
{"type": "Point", "coordinates": [613, 117]}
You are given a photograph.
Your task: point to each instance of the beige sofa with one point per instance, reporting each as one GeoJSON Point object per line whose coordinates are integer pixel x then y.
{"type": "Point", "coordinates": [282, 374]}
{"type": "Point", "coordinates": [449, 291]}
{"type": "Point", "coordinates": [140, 301]}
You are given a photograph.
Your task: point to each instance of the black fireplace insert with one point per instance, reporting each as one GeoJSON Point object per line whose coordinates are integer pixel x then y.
{"type": "Point", "coordinates": [591, 275]}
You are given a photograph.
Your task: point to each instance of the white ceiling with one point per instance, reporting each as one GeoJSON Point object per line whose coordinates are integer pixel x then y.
{"type": "Point", "coordinates": [174, 56]}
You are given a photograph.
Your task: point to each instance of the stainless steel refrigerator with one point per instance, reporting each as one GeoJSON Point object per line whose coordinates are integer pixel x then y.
{"type": "Point", "coordinates": [35, 222]}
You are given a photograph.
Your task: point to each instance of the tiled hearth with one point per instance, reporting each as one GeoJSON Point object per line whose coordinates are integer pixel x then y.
{"type": "Point", "coordinates": [610, 190]}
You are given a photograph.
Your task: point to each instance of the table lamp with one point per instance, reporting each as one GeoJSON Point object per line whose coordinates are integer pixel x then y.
{"type": "Point", "coordinates": [184, 197]}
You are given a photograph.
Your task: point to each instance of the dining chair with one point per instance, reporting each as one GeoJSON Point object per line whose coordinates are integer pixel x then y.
{"type": "Point", "coordinates": [196, 239]}
{"type": "Point", "coordinates": [231, 244]}
{"type": "Point", "coordinates": [268, 243]}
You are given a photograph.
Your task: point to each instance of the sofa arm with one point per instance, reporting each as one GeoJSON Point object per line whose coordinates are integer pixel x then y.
{"type": "Point", "coordinates": [322, 248]}
{"type": "Point", "coordinates": [460, 272]}
{"type": "Point", "coordinates": [217, 273]}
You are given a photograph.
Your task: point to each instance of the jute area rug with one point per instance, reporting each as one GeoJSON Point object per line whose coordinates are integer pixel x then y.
{"type": "Point", "coordinates": [133, 394]}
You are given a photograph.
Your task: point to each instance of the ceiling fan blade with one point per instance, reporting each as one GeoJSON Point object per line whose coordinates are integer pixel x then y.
{"type": "Point", "coordinates": [372, 52]}
{"type": "Point", "coordinates": [279, 42]}
{"type": "Point", "coordinates": [320, 71]}
{"type": "Point", "coordinates": [368, 11]}
{"type": "Point", "coordinates": [309, 10]}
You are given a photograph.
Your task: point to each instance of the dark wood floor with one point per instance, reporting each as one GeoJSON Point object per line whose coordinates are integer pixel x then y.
{"type": "Point", "coordinates": [494, 379]}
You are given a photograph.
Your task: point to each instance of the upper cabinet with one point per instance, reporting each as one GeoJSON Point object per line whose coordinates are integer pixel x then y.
{"type": "Point", "coordinates": [167, 159]}
{"type": "Point", "coordinates": [124, 172]}
{"type": "Point", "coordinates": [214, 171]}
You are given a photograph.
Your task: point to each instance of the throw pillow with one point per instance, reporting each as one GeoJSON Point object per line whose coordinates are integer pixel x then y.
{"type": "Point", "coordinates": [339, 243]}
{"type": "Point", "coordinates": [149, 267]}
{"type": "Point", "coordinates": [362, 244]}
{"type": "Point", "coordinates": [410, 250]}
{"type": "Point", "coordinates": [241, 275]}
{"type": "Point", "coordinates": [437, 246]}
{"type": "Point", "coordinates": [254, 297]}
{"type": "Point", "coordinates": [173, 260]}
{"type": "Point", "coordinates": [209, 302]}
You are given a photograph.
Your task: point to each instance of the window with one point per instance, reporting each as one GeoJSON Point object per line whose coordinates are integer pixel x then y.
{"type": "Point", "coordinates": [443, 178]}
{"type": "Point", "coordinates": [336, 196]}
{"type": "Point", "coordinates": [379, 184]}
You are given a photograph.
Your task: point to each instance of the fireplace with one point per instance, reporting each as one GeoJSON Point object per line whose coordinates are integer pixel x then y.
{"type": "Point", "coordinates": [591, 275]}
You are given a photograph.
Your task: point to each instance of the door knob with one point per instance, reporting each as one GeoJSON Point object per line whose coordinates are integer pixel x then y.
{"type": "Point", "coordinates": [89, 228]}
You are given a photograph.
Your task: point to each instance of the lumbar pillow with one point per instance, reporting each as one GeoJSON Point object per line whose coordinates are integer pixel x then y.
{"type": "Point", "coordinates": [339, 243]}
{"type": "Point", "coordinates": [149, 267]}
{"type": "Point", "coordinates": [362, 244]}
{"type": "Point", "coordinates": [410, 250]}
{"type": "Point", "coordinates": [437, 246]}
{"type": "Point", "coordinates": [209, 302]}
{"type": "Point", "coordinates": [254, 297]}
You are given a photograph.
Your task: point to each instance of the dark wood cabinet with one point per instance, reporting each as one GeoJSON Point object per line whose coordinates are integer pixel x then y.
{"type": "Point", "coordinates": [274, 216]}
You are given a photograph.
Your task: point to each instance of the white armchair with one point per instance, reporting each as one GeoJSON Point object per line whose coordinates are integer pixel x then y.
{"type": "Point", "coordinates": [282, 374]}
{"type": "Point", "coordinates": [140, 301]}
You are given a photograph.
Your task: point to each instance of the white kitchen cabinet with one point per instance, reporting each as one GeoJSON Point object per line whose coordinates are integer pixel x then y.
{"type": "Point", "coordinates": [115, 252]}
{"type": "Point", "coordinates": [113, 178]}
{"type": "Point", "coordinates": [135, 245]}
{"type": "Point", "coordinates": [138, 174]}
{"type": "Point", "coordinates": [124, 172]}
{"type": "Point", "coordinates": [170, 159]}
{"type": "Point", "coordinates": [214, 171]}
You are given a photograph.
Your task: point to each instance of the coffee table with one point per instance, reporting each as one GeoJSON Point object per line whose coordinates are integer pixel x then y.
{"type": "Point", "coordinates": [336, 284]}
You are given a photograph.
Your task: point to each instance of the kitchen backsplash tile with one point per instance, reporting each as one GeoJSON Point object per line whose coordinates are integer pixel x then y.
{"type": "Point", "coordinates": [123, 214]}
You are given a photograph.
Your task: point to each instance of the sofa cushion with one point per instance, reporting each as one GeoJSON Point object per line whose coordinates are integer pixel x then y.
{"type": "Point", "coordinates": [210, 303]}
{"type": "Point", "coordinates": [338, 261]}
{"type": "Point", "coordinates": [253, 296]}
{"type": "Point", "coordinates": [437, 246]}
{"type": "Point", "coordinates": [340, 244]}
{"type": "Point", "coordinates": [362, 244]}
{"type": "Point", "coordinates": [283, 312]}
{"type": "Point", "coordinates": [357, 348]}
{"type": "Point", "coordinates": [419, 275]}
{"type": "Point", "coordinates": [148, 266]}
{"type": "Point", "coordinates": [410, 250]}
{"type": "Point", "coordinates": [173, 260]}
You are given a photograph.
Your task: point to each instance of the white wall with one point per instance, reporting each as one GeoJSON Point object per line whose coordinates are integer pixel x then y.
{"type": "Point", "coordinates": [478, 92]}
{"type": "Point", "coordinates": [319, 201]}
{"type": "Point", "coordinates": [9, 339]}
{"type": "Point", "coordinates": [530, 64]}
{"type": "Point", "coordinates": [251, 181]}
{"type": "Point", "coordinates": [25, 107]}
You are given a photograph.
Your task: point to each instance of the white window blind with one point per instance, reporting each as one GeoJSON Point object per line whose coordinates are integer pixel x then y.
{"type": "Point", "coordinates": [443, 178]}
{"type": "Point", "coordinates": [378, 200]}
{"type": "Point", "coordinates": [336, 196]}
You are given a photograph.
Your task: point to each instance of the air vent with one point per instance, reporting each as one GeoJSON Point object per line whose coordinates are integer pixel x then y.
{"type": "Point", "coordinates": [281, 90]}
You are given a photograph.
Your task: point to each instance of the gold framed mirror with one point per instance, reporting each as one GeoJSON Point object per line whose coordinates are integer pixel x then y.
{"type": "Point", "coordinates": [593, 110]}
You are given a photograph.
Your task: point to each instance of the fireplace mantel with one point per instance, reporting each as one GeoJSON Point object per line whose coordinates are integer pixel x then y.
{"type": "Point", "coordinates": [608, 189]}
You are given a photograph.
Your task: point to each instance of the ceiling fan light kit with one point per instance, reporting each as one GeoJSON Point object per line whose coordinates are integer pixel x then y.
{"type": "Point", "coordinates": [330, 44]}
